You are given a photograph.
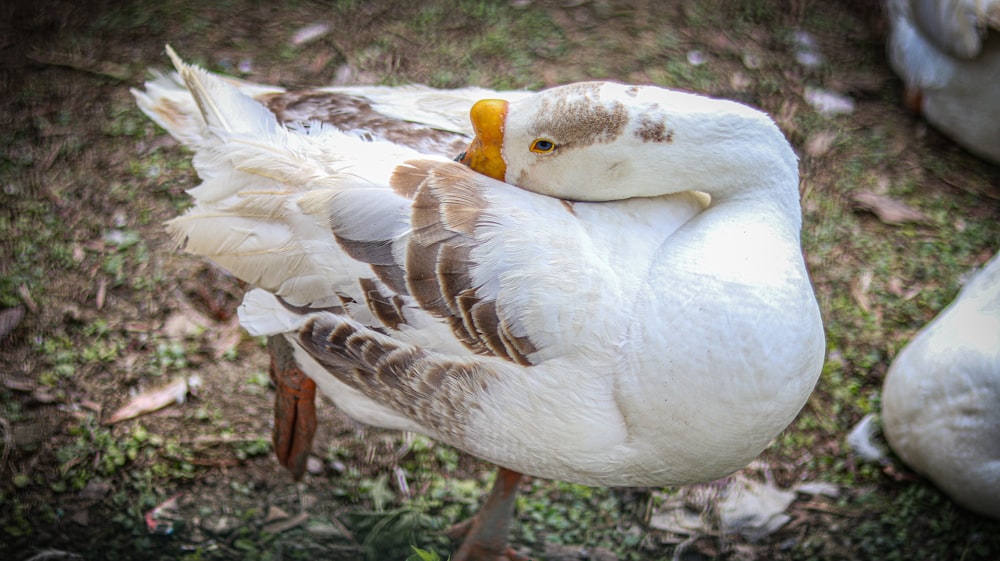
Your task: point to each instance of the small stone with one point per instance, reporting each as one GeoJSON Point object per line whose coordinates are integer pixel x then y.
{"type": "Point", "coordinates": [323, 529]}
{"type": "Point", "coordinates": [95, 490]}
{"type": "Point", "coordinates": [696, 58]}
{"type": "Point", "coordinates": [308, 501]}
{"type": "Point", "coordinates": [220, 526]}
{"type": "Point", "coordinates": [314, 465]}
{"type": "Point", "coordinates": [81, 517]}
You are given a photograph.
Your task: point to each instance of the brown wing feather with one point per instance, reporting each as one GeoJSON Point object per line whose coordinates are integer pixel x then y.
{"type": "Point", "coordinates": [431, 389]}
{"type": "Point", "coordinates": [446, 206]}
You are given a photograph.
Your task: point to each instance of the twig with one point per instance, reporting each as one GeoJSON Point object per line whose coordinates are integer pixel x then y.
{"type": "Point", "coordinates": [112, 70]}
{"type": "Point", "coordinates": [25, 294]}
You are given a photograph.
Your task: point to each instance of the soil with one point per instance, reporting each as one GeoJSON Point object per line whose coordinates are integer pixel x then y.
{"type": "Point", "coordinates": [98, 307]}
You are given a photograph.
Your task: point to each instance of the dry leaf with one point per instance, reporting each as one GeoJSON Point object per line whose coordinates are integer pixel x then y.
{"type": "Point", "coordinates": [820, 143]}
{"type": "Point", "coordinates": [888, 210]}
{"type": "Point", "coordinates": [279, 526]}
{"type": "Point", "coordinates": [859, 290]}
{"type": "Point", "coordinates": [185, 323]}
{"type": "Point", "coordinates": [155, 399]}
{"type": "Point", "coordinates": [9, 319]}
{"type": "Point", "coordinates": [226, 337]}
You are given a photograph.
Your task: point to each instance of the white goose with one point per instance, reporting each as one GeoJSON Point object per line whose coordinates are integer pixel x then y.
{"type": "Point", "coordinates": [948, 54]}
{"type": "Point", "coordinates": [600, 323]}
{"type": "Point", "coordinates": [941, 397]}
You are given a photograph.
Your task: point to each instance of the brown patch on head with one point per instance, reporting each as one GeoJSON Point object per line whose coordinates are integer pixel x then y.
{"type": "Point", "coordinates": [576, 117]}
{"type": "Point", "coordinates": [651, 129]}
{"type": "Point", "coordinates": [632, 91]}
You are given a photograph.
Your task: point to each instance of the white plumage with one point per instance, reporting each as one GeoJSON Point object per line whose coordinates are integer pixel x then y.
{"type": "Point", "coordinates": [941, 397]}
{"type": "Point", "coordinates": [948, 54]}
{"type": "Point", "coordinates": [662, 334]}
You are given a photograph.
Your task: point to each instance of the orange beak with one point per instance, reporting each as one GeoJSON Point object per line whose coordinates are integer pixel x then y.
{"type": "Point", "coordinates": [484, 154]}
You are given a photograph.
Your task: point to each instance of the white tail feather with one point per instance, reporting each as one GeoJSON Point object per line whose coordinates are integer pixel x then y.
{"type": "Point", "coordinates": [263, 209]}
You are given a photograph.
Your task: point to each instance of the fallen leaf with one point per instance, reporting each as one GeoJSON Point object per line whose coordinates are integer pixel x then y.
{"type": "Point", "coordinates": [823, 488]}
{"type": "Point", "coordinates": [862, 440]}
{"type": "Point", "coordinates": [859, 289]}
{"type": "Point", "coordinates": [161, 519]}
{"type": "Point", "coordinates": [275, 513]}
{"type": "Point", "coordinates": [278, 526]}
{"type": "Point", "coordinates": [310, 33]}
{"type": "Point", "coordinates": [9, 319]}
{"type": "Point", "coordinates": [155, 399]}
{"type": "Point", "coordinates": [888, 210]}
{"type": "Point", "coordinates": [753, 509]}
{"type": "Point", "coordinates": [184, 323]}
{"type": "Point", "coordinates": [820, 143]}
{"type": "Point", "coordinates": [80, 517]}
{"type": "Point", "coordinates": [25, 295]}
{"type": "Point", "coordinates": [828, 103]}
{"type": "Point", "coordinates": [226, 337]}
{"type": "Point", "coordinates": [19, 384]}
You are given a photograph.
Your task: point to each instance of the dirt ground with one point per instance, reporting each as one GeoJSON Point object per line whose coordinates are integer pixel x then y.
{"type": "Point", "coordinates": [96, 306]}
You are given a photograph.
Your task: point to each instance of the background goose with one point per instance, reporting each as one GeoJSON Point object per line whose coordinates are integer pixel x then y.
{"type": "Point", "coordinates": [601, 324]}
{"type": "Point", "coordinates": [941, 398]}
{"type": "Point", "coordinates": [948, 54]}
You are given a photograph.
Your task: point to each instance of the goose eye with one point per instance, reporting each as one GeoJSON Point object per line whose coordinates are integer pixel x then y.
{"type": "Point", "coordinates": [542, 146]}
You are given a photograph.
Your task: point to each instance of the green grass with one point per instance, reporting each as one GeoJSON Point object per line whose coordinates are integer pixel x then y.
{"type": "Point", "coordinates": [84, 187]}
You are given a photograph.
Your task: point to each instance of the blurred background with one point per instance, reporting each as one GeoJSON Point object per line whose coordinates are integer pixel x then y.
{"type": "Point", "coordinates": [98, 311]}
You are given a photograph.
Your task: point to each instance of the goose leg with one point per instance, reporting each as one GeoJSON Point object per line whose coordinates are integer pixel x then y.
{"type": "Point", "coordinates": [486, 534]}
{"type": "Point", "coordinates": [294, 408]}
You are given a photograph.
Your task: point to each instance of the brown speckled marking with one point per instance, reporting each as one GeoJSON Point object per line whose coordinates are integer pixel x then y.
{"type": "Point", "coordinates": [651, 129]}
{"type": "Point", "coordinates": [632, 91]}
{"type": "Point", "coordinates": [430, 389]}
{"type": "Point", "coordinates": [578, 119]}
{"type": "Point", "coordinates": [354, 114]}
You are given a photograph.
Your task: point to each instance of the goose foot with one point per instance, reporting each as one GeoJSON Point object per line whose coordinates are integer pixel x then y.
{"type": "Point", "coordinates": [294, 408]}
{"type": "Point", "coordinates": [486, 533]}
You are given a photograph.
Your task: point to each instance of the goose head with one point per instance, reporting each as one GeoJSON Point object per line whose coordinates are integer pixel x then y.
{"type": "Point", "coordinates": [602, 141]}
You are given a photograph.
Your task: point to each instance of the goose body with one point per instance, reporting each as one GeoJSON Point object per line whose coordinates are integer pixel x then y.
{"type": "Point", "coordinates": [948, 54]}
{"type": "Point", "coordinates": [941, 397]}
{"type": "Point", "coordinates": [586, 314]}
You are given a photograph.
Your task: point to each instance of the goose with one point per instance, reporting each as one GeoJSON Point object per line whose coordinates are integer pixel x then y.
{"type": "Point", "coordinates": [941, 397]}
{"type": "Point", "coordinates": [607, 288]}
{"type": "Point", "coordinates": [948, 54]}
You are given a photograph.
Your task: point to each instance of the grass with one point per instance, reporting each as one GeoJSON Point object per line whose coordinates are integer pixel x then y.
{"type": "Point", "coordinates": [86, 181]}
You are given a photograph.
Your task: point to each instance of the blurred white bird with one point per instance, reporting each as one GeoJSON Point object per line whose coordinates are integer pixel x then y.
{"type": "Point", "coordinates": [941, 397]}
{"type": "Point", "coordinates": [948, 54]}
